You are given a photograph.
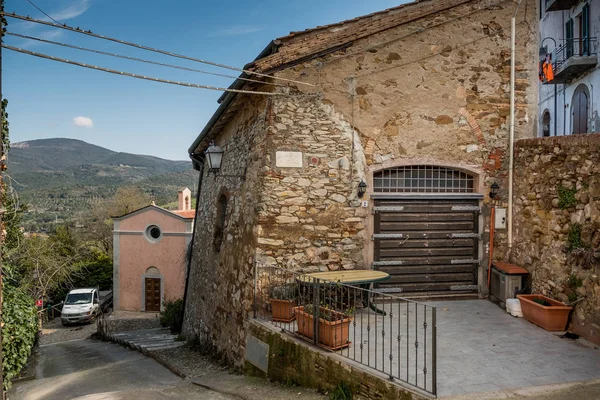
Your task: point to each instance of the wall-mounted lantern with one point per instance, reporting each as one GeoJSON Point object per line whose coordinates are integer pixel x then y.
{"type": "Point", "coordinates": [362, 189]}
{"type": "Point", "coordinates": [494, 189]}
{"type": "Point", "coordinates": [214, 155]}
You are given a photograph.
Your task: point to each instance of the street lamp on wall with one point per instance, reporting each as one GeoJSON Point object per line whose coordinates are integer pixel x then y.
{"type": "Point", "coordinates": [494, 189]}
{"type": "Point", "coordinates": [544, 49]}
{"type": "Point", "coordinates": [362, 189]}
{"type": "Point", "coordinates": [214, 156]}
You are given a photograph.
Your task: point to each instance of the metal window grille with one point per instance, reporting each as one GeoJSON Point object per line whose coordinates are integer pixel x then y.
{"type": "Point", "coordinates": [422, 179]}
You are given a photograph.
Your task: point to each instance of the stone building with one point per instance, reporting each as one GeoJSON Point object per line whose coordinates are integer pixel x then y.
{"type": "Point", "coordinates": [414, 102]}
{"type": "Point", "coordinates": [568, 34]}
{"type": "Point", "coordinates": [149, 248]}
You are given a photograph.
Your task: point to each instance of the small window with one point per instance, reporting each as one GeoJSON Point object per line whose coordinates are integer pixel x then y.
{"type": "Point", "coordinates": [153, 233]}
{"type": "Point", "coordinates": [220, 223]}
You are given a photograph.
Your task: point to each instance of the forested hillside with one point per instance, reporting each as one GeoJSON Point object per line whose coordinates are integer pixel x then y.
{"type": "Point", "coordinates": [61, 180]}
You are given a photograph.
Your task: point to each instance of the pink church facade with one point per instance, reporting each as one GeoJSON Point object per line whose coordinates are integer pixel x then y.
{"type": "Point", "coordinates": [149, 247]}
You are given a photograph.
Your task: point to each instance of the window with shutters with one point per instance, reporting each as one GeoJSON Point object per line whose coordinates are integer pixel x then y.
{"type": "Point", "coordinates": [569, 38]}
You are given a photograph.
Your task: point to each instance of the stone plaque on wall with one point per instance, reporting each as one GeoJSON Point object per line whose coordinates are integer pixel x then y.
{"type": "Point", "coordinates": [288, 159]}
{"type": "Point", "coordinates": [257, 353]}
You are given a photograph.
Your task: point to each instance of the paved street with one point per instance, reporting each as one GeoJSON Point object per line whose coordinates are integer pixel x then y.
{"type": "Point", "coordinates": [91, 369]}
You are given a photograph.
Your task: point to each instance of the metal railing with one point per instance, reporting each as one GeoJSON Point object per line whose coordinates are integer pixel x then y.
{"type": "Point", "coordinates": [573, 47]}
{"type": "Point", "coordinates": [389, 334]}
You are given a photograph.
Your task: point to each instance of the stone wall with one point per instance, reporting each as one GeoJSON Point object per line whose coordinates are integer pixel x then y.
{"type": "Point", "coordinates": [557, 222]}
{"type": "Point", "coordinates": [436, 91]}
{"type": "Point", "coordinates": [291, 361]}
{"type": "Point", "coordinates": [309, 219]}
{"type": "Point", "coordinates": [220, 285]}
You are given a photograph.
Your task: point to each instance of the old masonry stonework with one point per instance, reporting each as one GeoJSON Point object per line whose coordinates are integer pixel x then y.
{"type": "Point", "coordinates": [432, 89]}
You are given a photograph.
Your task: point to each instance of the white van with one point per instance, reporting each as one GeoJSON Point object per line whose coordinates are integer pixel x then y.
{"type": "Point", "coordinates": [81, 305]}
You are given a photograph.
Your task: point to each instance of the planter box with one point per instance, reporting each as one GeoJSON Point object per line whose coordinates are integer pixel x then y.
{"type": "Point", "coordinates": [333, 335]}
{"type": "Point", "coordinates": [283, 310]}
{"type": "Point", "coordinates": [551, 318]}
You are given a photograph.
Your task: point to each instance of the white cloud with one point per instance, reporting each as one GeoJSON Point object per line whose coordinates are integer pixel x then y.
{"type": "Point", "coordinates": [72, 11]}
{"type": "Point", "coordinates": [83, 121]}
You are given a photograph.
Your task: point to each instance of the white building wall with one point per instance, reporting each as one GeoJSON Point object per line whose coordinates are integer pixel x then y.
{"type": "Point", "coordinates": [552, 25]}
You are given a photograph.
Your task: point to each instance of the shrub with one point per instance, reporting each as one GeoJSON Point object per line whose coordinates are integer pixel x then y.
{"type": "Point", "coordinates": [172, 316]}
{"type": "Point", "coordinates": [19, 316]}
{"type": "Point", "coordinates": [566, 198]}
{"type": "Point", "coordinates": [574, 282]}
{"type": "Point", "coordinates": [341, 392]}
{"type": "Point", "coordinates": [572, 297]}
{"type": "Point", "coordinates": [574, 238]}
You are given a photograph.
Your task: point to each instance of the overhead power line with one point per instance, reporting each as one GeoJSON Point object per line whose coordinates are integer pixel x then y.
{"type": "Point", "coordinates": [155, 50]}
{"type": "Point", "coordinates": [148, 78]}
{"type": "Point", "coordinates": [136, 59]}
{"type": "Point", "coordinates": [42, 11]}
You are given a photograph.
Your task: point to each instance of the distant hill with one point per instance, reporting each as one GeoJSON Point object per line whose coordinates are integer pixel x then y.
{"type": "Point", "coordinates": [62, 178]}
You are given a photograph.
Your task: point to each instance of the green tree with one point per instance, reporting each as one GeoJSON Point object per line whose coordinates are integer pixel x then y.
{"type": "Point", "coordinates": [125, 200]}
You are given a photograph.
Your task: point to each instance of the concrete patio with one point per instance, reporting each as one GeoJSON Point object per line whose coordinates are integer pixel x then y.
{"type": "Point", "coordinates": [480, 348]}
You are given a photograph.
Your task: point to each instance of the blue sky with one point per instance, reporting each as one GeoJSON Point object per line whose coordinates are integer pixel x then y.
{"type": "Point", "coordinates": [125, 114]}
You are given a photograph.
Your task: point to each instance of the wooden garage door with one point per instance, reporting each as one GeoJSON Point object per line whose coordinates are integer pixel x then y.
{"type": "Point", "coordinates": [427, 245]}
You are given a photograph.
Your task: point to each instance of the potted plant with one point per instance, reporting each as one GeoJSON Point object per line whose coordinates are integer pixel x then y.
{"type": "Point", "coordinates": [283, 301]}
{"type": "Point", "coordinates": [333, 325]}
{"type": "Point", "coordinates": [543, 311]}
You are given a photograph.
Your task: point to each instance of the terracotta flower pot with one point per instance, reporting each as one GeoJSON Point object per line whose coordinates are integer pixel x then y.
{"type": "Point", "coordinates": [283, 310]}
{"type": "Point", "coordinates": [552, 318]}
{"type": "Point", "coordinates": [333, 335]}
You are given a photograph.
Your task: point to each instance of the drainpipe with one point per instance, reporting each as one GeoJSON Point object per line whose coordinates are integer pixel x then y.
{"type": "Point", "coordinates": [592, 110]}
{"type": "Point", "coordinates": [564, 110]}
{"type": "Point", "coordinates": [555, 108]}
{"type": "Point", "coordinates": [512, 132]}
{"type": "Point", "coordinates": [198, 162]}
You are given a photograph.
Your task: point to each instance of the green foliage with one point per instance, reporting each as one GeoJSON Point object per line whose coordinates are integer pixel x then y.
{"type": "Point", "coordinates": [574, 282]}
{"type": "Point", "coordinates": [329, 314]}
{"type": "Point", "coordinates": [172, 316]}
{"type": "Point", "coordinates": [566, 197]}
{"type": "Point", "coordinates": [574, 238]}
{"type": "Point", "coordinates": [19, 317]}
{"type": "Point", "coordinates": [341, 392]}
{"type": "Point", "coordinates": [96, 271]}
{"type": "Point", "coordinates": [288, 291]}
{"type": "Point", "coordinates": [5, 141]}
{"type": "Point", "coordinates": [572, 297]}
{"type": "Point", "coordinates": [542, 302]}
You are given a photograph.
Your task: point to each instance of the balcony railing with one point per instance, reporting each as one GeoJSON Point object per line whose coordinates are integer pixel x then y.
{"type": "Point", "coordinates": [559, 5]}
{"type": "Point", "coordinates": [388, 334]}
{"type": "Point", "coordinates": [572, 58]}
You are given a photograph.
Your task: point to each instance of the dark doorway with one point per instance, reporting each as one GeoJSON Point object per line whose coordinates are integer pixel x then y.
{"type": "Point", "coordinates": [546, 124]}
{"type": "Point", "coordinates": [579, 107]}
{"type": "Point", "coordinates": [152, 286]}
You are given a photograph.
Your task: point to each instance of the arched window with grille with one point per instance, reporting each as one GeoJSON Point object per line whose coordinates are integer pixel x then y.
{"type": "Point", "coordinates": [423, 179]}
